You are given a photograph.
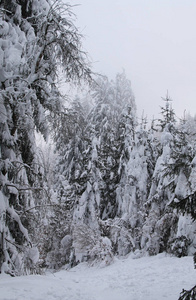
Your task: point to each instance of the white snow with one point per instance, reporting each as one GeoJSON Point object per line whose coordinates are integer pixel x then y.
{"type": "Point", "coordinates": [16, 217]}
{"type": "Point", "coordinates": [147, 278]}
{"type": "Point", "coordinates": [33, 254]}
{"type": "Point", "coordinates": [187, 228]}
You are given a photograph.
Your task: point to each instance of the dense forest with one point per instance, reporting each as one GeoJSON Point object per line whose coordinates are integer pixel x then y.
{"type": "Point", "coordinates": [105, 182]}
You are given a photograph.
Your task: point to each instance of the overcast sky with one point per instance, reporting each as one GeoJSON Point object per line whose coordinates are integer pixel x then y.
{"type": "Point", "coordinates": [153, 40]}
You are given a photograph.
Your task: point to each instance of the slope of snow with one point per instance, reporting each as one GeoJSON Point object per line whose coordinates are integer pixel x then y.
{"type": "Point", "coordinates": [147, 278]}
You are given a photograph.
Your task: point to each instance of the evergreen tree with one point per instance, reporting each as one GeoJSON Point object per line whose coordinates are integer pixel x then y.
{"type": "Point", "coordinates": [116, 127]}
{"type": "Point", "coordinates": [185, 193]}
{"type": "Point", "coordinates": [167, 112]}
{"type": "Point", "coordinates": [70, 140]}
{"type": "Point", "coordinates": [134, 187]}
{"type": "Point", "coordinates": [165, 228]}
{"type": "Point", "coordinates": [97, 160]}
{"type": "Point", "coordinates": [35, 40]}
{"type": "Point", "coordinates": [161, 223]}
{"type": "Point", "coordinates": [114, 102]}
{"type": "Point", "coordinates": [181, 173]}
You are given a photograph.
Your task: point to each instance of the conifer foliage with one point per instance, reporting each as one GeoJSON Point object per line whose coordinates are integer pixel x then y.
{"type": "Point", "coordinates": [36, 39]}
{"type": "Point", "coordinates": [122, 177]}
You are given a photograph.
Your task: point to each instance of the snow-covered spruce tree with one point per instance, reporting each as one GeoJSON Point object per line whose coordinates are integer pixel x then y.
{"type": "Point", "coordinates": [103, 118]}
{"type": "Point", "coordinates": [135, 182]}
{"type": "Point", "coordinates": [70, 180]}
{"type": "Point", "coordinates": [183, 155]}
{"type": "Point", "coordinates": [185, 199]}
{"type": "Point", "coordinates": [86, 212]}
{"type": "Point", "coordinates": [180, 170]}
{"type": "Point", "coordinates": [78, 188]}
{"type": "Point", "coordinates": [167, 112]}
{"type": "Point", "coordinates": [36, 38]}
{"type": "Point", "coordinates": [114, 120]}
{"type": "Point", "coordinates": [86, 215]}
{"type": "Point", "coordinates": [165, 228]}
{"type": "Point", "coordinates": [99, 147]}
{"type": "Point", "coordinates": [161, 221]}
{"type": "Point", "coordinates": [70, 141]}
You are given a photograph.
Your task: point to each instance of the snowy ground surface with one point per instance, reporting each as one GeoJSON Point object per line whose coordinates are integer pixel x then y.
{"type": "Point", "coordinates": [147, 278]}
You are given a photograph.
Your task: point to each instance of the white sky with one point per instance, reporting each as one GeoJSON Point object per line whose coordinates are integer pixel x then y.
{"type": "Point", "coordinates": [153, 40]}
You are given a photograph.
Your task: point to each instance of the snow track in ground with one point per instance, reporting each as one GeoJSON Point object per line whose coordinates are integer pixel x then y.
{"type": "Point", "coordinates": [147, 278]}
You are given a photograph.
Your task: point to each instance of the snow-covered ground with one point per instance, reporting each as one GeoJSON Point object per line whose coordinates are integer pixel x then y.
{"type": "Point", "coordinates": [146, 278]}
